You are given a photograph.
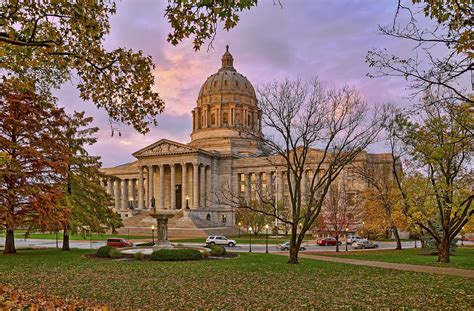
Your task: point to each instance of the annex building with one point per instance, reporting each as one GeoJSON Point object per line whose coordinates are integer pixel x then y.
{"type": "Point", "coordinates": [188, 177]}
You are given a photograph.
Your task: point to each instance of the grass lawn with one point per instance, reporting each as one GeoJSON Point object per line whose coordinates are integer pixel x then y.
{"type": "Point", "coordinates": [464, 257]}
{"type": "Point", "coordinates": [248, 282]}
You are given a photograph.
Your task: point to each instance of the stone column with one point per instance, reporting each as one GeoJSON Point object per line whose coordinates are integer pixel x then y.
{"type": "Point", "coordinates": [270, 183]}
{"type": "Point", "coordinates": [161, 187]}
{"type": "Point", "coordinates": [131, 194]}
{"type": "Point", "coordinates": [110, 187]}
{"type": "Point", "coordinates": [208, 185]}
{"type": "Point", "coordinates": [151, 191]}
{"type": "Point", "coordinates": [280, 186]}
{"type": "Point", "coordinates": [123, 192]}
{"type": "Point", "coordinates": [184, 184]}
{"type": "Point", "coordinates": [235, 184]}
{"type": "Point", "coordinates": [117, 194]}
{"type": "Point", "coordinates": [173, 187]}
{"type": "Point", "coordinates": [248, 188]}
{"type": "Point", "coordinates": [140, 188]}
{"type": "Point", "coordinates": [258, 188]}
{"type": "Point", "coordinates": [195, 185]}
{"type": "Point", "coordinates": [203, 189]}
{"type": "Point", "coordinates": [304, 184]}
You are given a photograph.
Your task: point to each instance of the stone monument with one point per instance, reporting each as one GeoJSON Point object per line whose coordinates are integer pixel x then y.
{"type": "Point", "coordinates": [162, 216]}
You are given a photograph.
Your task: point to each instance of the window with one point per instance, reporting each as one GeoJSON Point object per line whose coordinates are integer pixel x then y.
{"type": "Point", "coordinates": [225, 82]}
{"type": "Point", "coordinates": [224, 219]}
{"type": "Point", "coordinates": [249, 119]}
{"type": "Point", "coordinates": [208, 217]}
{"type": "Point", "coordinates": [224, 118]}
{"type": "Point", "coordinates": [213, 119]}
{"type": "Point", "coordinates": [242, 183]}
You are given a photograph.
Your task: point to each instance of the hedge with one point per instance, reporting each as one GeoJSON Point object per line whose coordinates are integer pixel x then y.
{"type": "Point", "coordinates": [104, 251]}
{"type": "Point", "coordinates": [217, 250]}
{"type": "Point", "coordinates": [176, 255]}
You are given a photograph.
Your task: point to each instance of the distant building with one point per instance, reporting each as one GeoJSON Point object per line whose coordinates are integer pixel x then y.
{"type": "Point", "coordinates": [187, 177]}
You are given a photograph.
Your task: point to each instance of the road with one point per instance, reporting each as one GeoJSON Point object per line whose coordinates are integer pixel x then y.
{"type": "Point", "coordinates": [258, 248]}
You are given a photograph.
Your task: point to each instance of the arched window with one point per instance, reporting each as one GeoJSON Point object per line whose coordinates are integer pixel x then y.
{"type": "Point", "coordinates": [215, 83]}
{"type": "Point", "coordinates": [208, 217]}
{"type": "Point", "coordinates": [225, 118]}
{"type": "Point", "coordinates": [225, 82]}
{"type": "Point", "coordinates": [236, 83]}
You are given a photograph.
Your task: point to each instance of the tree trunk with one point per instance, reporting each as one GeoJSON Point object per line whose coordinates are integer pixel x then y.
{"type": "Point", "coordinates": [397, 238]}
{"type": "Point", "coordinates": [10, 242]}
{"type": "Point", "coordinates": [443, 251]}
{"type": "Point", "coordinates": [294, 248]}
{"type": "Point", "coordinates": [66, 239]}
{"type": "Point", "coordinates": [337, 243]}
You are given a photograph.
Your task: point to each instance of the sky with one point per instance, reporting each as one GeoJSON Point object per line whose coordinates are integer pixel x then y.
{"type": "Point", "coordinates": [302, 39]}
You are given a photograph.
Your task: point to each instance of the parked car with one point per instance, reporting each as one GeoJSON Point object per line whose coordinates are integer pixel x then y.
{"type": "Point", "coordinates": [364, 243]}
{"type": "Point", "coordinates": [286, 247]}
{"type": "Point", "coordinates": [220, 240]}
{"type": "Point", "coordinates": [354, 238]}
{"type": "Point", "coordinates": [117, 242]}
{"type": "Point", "coordinates": [327, 241]}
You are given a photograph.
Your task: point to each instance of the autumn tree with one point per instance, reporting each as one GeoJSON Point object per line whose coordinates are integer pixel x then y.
{"type": "Point", "coordinates": [37, 156]}
{"type": "Point", "coordinates": [84, 196]}
{"type": "Point", "coordinates": [383, 193]}
{"type": "Point", "coordinates": [440, 151]}
{"type": "Point", "coordinates": [308, 128]}
{"type": "Point", "coordinates": [341, 209]}
{"type": "Point", "coordinates": [252, 219]}
{"type": "Point", "coordinates": [50, 41]}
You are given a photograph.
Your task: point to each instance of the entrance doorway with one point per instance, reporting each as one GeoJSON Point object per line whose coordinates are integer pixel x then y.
{"type": "Point", "coordinates": [178, 197]}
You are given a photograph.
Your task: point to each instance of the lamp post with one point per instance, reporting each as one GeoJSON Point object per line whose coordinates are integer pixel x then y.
{"type": "Point", "coordinates": [347, 230]}
{"type": "Point", "coordinates": [266, 239]}
{"type": "Point", "coordinates": [250, 236]}
{"type": "Point", "coordinates": [187, 202]}
{"type": "Point", "coordinates": [240, 224]}
{"type": "Point", "coordinates": [153, 234]}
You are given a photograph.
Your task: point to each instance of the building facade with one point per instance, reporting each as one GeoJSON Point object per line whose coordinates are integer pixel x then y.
{"type": "Point", "coordinates": [189, 177]}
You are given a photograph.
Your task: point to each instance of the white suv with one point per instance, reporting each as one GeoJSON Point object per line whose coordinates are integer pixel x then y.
{"type": "Point", "coordinates": [220, 240]}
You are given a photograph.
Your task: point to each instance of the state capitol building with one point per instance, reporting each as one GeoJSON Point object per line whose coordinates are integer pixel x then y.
{"type": "Point", "coordinates": [187, 177]}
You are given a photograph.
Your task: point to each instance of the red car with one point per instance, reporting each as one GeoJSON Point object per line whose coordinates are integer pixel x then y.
{"type": "Point", "coordinates": [118, 242]}
{"type": "Point", "coordinates": [327, 241]}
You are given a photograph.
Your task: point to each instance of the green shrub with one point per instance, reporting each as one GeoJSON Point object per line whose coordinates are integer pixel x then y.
{"type": "Point", "coordinates": [139, 256]}
{"type": "Point", "coordinates": [176, 255]}
{"type": "Point", "coordinates": [115, 253]}
{"type": "Point", "coordinates": [104, 251]}
{"type": "Point", "coordinates": [217, 250]}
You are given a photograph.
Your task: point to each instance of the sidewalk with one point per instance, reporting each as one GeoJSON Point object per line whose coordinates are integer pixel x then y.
{"type": "Point", "coordinates": [397, 266]}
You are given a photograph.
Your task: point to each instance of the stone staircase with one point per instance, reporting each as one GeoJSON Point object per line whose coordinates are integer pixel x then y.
{"type": "Point", "coordinates": [180, 226]}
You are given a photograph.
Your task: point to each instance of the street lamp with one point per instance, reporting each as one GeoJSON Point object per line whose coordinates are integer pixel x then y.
{"type": "Point", "coordinates": [347, 230]}
{"type": "Point", "coordinates": [240, 224]}
{"type": "Point", "coordinates": [250, 236]}
{"type": "Point", "coordinates": [153, 234]}
{"type": "Point", "coordinates": [187, 202]}
{"type": "Point", "coordinates": [130, 203]}
{"type": "Point", "coordinates": [266, 240]}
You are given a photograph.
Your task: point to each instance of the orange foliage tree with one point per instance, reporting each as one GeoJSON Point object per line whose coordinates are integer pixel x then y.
{"type": "Point", "coordinates": [31, 140]}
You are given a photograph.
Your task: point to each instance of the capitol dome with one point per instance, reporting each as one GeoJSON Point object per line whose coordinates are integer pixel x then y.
{"type": "Point", "coordinates": [227, 111]}
{"type": "Point", "coordinates": [227, 81]}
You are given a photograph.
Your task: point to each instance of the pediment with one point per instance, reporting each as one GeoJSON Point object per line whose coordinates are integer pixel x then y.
{"type": "Point", "coordinates": [163, 147]}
